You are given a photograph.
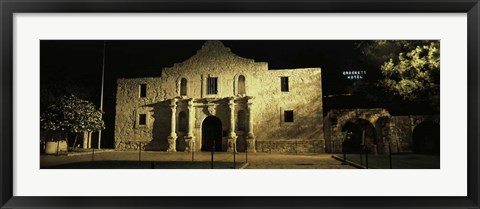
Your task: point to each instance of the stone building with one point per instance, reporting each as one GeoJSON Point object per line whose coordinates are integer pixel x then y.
{"type": "Point", "coordinates": [381, 132]}
{"type": "Point", "coordinates": [218, 100]}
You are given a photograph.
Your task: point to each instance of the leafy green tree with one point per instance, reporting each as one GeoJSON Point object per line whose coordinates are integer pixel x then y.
{"type": "Point", "coordinates": [407, 72]}
{"type": "Point", "coordinates": [72, 115]}
{"type": "Point", "coordinates": [380, 51]}
{"type": "Point", "coordinates": [415, 74]}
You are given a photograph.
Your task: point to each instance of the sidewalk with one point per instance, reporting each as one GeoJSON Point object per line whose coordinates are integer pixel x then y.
{"type": "Point", "coordinates": [255, 160]}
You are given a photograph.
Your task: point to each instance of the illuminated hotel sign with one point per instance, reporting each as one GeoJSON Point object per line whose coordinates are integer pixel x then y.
{"type": "Point", "coordinates": [354, 74]}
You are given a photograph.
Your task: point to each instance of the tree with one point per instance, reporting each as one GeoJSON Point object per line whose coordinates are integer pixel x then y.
{"type": "Point", "coordinates": [380, 51]}
{"type": "Point", "coordinates": [70, 114]}
{"type": "Point", "coordinates": [415, 75]}
{"type": "Point", "coordinates": [407, 72]}
{"type": "Point", "coordinates": [56, 84]}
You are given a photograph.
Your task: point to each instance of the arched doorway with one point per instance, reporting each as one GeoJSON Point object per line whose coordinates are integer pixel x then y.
{"type": "Point", "coordinates": [211, 134]}
{"type": "Point", "coordinates": [353, 143]}
{"type": "Point", "coordinates": [426, 138]}
{"type": "Point", "coordinates": [359, 128]}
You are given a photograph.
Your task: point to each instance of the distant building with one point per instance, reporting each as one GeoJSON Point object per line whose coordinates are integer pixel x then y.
{"type": "Point", "coordinates": [218, 100]}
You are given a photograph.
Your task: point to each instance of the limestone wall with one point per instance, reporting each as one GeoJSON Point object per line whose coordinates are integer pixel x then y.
{"type": "Point", "coordinates": [392, 132]}
{"type": "Point", "coordinates": [304, 98]}
{"type": "Point", "coordinates": [402, 128]}
{"type": "Point", "coordinates": [128, 134]}
{"type": "Point", "coordinates": [213, 60]}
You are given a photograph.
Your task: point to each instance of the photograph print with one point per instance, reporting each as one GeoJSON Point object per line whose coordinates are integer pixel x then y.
{"type": "Point", "coordinates": [239, 104]}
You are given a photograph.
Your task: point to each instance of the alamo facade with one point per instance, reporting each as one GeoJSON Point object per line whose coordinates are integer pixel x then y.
{"type": "Point", "coordinates": [218, 100]}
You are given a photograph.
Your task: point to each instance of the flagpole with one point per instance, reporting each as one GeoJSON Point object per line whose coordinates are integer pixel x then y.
{"type": "Point", "coordinates": [101, 93]}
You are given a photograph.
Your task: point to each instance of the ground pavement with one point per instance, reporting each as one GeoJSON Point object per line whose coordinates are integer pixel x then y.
{"type": "Point", "coordinates": [255, 160]}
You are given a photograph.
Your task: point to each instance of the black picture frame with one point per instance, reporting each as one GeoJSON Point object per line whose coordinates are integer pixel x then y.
{"type": "Point", "coordinates": [9, 7]}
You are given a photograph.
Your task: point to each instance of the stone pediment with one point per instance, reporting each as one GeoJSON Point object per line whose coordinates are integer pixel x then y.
{"type": "Point", "coordinates": [214, 53]}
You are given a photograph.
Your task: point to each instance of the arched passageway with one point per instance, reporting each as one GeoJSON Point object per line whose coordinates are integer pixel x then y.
{"type": "Point", "coordinates": [360, 133]}
{"type": "Point", "coordinates": [426, 138]}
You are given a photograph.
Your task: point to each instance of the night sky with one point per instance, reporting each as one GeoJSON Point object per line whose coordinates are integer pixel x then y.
{"type": "Point", "coordinates": [75, 66]}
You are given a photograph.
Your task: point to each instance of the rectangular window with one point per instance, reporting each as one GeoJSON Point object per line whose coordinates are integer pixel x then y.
{"type": "Point", "coordinates": [288, 116]}
{"type": "Point", "coordinates": [142, 119]}
{"type": "Point", "coordinates": [284, 84]}
{"type": "Point", "coordinates": [143, 90]}
{"type": "Point", "coordinates": [212, 87]}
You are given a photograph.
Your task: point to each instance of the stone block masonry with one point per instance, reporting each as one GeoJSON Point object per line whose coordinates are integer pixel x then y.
{"type": "Point", "coordinates": [259, 109]}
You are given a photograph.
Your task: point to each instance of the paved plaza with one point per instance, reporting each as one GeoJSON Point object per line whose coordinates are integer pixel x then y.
{"type": "Point", "coordinates": [255, 160]}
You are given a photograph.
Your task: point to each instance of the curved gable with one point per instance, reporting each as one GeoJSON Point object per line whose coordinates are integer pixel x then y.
{"type": "Point", "coordinates": [213, 56]}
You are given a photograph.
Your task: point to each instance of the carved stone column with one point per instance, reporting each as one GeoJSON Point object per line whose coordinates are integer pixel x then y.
{"type": "Point", "coordinates": [190, 138]}
{"type": "Point", "coordinates": [250, 136]}
{"type": "Point", "coordinates": [232, 137]}
{"type": "Point", "coordinates": [172, 139]}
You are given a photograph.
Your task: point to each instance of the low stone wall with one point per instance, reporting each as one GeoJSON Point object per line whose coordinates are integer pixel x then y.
{"type": "Point", "coordinates": [130, 145]}
{"type": "Point", "coordinates": [291, 146]}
